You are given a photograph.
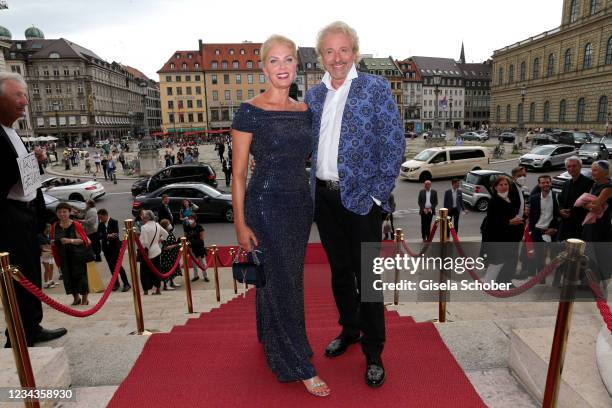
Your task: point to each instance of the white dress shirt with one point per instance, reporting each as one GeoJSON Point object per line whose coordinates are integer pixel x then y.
{"type": "Point", "coordinates": [427, 198]}
{"type": "Point", "coordinates": [331, 122]}
{"type": "Point", "coordinates": [148, 235]}
{"type": "Point", "coordinates": [454, 193]}
{"type": "Point", "coordinates": [16, 192]}
{"type": "Point", "coordinates": [546, 211]}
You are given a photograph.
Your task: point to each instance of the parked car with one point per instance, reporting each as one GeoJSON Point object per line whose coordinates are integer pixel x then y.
{"type": "Point", "coordinates": [481, 137]}
{"type": "Point", "coordinates": [211, 202]}
{"type": "Point", "coordinates": [51, 204]}
{"type": "Point", "coordinates": [607, 140]}
{"type": "Point", "coordinates": [178, 173]}
{"type": "Point", "coordinates": [476, 188]}
{"type": "Point", "coordinates": [507, 137]}
{"type": "Point", "coordinates": [546, 157]}
{"type": "Point", "coordinates": [590, 152]}
{"type": "Point", "coordinates": [571, 137]}
{"type": "Point", "coordinates": [544, 139]}
{"type": "Point", "coordinates": [72, 189]}
{"type": "Point", "coordinates": [559, 180]}
{"type": "Point", "coordinates": [410, 135]}
{"type": "Point", "coordinates": [439, 162]}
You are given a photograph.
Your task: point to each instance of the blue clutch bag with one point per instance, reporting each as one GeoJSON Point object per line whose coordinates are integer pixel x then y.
{"type": "Point", "coordinates": [249, 271]}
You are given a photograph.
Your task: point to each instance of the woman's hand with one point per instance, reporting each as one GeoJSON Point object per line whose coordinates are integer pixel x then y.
{"type": "Point", "coordinates": [65, 241]}
{"type": "Point", "coordinates": [515, 221]}
{"type": "Point", "coordinates": [246, 237]}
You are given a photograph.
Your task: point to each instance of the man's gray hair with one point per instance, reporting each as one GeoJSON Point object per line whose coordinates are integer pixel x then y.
{"type": "Point", "coordinates": [575, 159]}
{"type": "Point", "coordinates": [338, 27]}
{"type": "Point", "coordinates": [11, 76]}
{"type": "Point", "coordinates": [149, 215]}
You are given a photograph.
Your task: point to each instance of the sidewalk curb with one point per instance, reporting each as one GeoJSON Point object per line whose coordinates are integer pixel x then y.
{"type": "Point", "coordinates": [57, 173]}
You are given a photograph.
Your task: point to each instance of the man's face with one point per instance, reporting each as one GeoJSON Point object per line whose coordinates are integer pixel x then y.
{"type": "Point", "coordinates": [103, 217]}
{"type": "Point", "coordinates": [455, 185]}
{"type": "Point", "coordinates": [13, 102]}
{"type": "Point", "coordinates": [166, 200]}
{"type": "Point", "coordinates": [545, 184]}
{"type": "Point", "coordinates": [572, 168]}
{"type": "Point", "coordinates": [337, 56]}
{"type": "Point", "coordinates": [427, 185]}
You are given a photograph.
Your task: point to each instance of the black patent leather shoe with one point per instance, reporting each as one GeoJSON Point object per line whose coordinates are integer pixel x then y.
{"type": "Point", "coordinates": [47, 335]}
{"type": "Point", "coordinates": [375, 374]}
{"type": "Point", "coordinates": [339, 345]}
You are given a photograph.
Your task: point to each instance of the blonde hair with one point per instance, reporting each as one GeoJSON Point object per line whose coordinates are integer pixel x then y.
{"type": "Point", "coordinates": [274, 40]}
{"type": "Point", "coordinates": [338, 27]}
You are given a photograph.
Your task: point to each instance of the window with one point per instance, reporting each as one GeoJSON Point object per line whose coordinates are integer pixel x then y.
{"type": "Point", "coordinates": [180, 105]}
{"type": "Point", "coordinates": [68, 88]}
{"type": "Point", "coordinates": [215, 95]}
{"type": "Point", "coordinates": [213, 79]}
{"type": "Point", "coordinates": [48, 89]}
{"type": "Point", "coordinates": [580, 111]}
{"type": "Point", "coordinates": [66, 71]}
{"type": "Point", "coordinates": [466, 154]}
{"type": "Point", "coordinates": [562, 110]}
{"type": "Point", "coordinates": [251, 94]}
{"type": "Point", "coordinates": [573, 11]}
{"type": "Point", "coordinates": [224, 64]}
{"type": "Point", "coordinates": [171, 65]}
{"type": "Point", "coordinates": [184, 65]}
{"type": "Point", "coordinates": [177, 56]}
{"type": "Point", "coordinates": [250, 78]}
{"type": "Point", "coordinates": [500, 79]}
{"type": "Point", "coordinates": [594, 6]}
{"type": "Point", "coordinates": [198, 90]}
{"type": "Point", "coordinates": [217, 51]}
{"type": "Point", "coordinates": [200, 117]}
{"type": "Point", "coordinates": [262, 79]}
{"type": "Point", "coordinates": [170, 104]}
{"type": "Point", "coordinates": [239, 95]}
{"type": "Point", "coordinates": [226, 79]}
{"type": "Point", "coordinates": [190, 117]}
{"type": "Point", "coordinates": [80, 89]}
{"type": "Point", "coordinates": [179, 90]}
{"type": "Point", "coordinates": [567, 60]}
{"type": "Point", "coordinates": [231, 51]}
{"type": "Point", "coordinates": [508, 113]}
{"type": "Point", "coordinates": [602, 109]}
{"type": "Point", "coordinates": [550, 67]}
{"type": "Point", "coordinates": [242, 52]}
{"type": "Point", "coordinates": [238, 79]}
{"type": "Point", "coordinates": [169, 91]}
{"type": "Point", "coordinates": [546, 117]}
{"type": "Point", "coordinates": [35, 89]}
{"type": "Point", "coordinates": [188, 78]}
{"type": "Point", "coordinates": [498, 114]}
{"type": "Point", "coordinates": [171, 118]}
{"type": "Point", "coordinates": [235, 64]}
{"type": "Point", "coordinates": [190, 55]}
{"type": "Point", "coordinates": [228, 95]}
{"type": "Point", "coordinates": [536, 69]}
{"type": "Point", "coordinates": [199, 103]}
{"type": "Point", "coordinates": [189, 104]}
{"type": "Point", "coordinates": [609, 52]}
{"type": "Point", "coordinates": [197, 78]}
{"type": "Point", "coordinates": [214, 64]}
{"type": "Point", "coordinates": [256, 51]}
{"type": "Point", "coordinates": [588, 56]}
{"type": "Point", "coordinates": [532, 107]}
{"type": "Point", "coordinates": [510, 74]}
{"type": "Point", "coordinates": [249, 64]}
{"type": "Point", "coordinates": [181, 118]}
{"type": "Point", "coordinates": [214, 115]}
{"type": "Point", "coordinates": [168, 78]}
{"type": "Point", "coordinates": [56, 71]}
{"type": "Point", "coordinates": [188, 89]}
{"type": "Point", "coordinates": [178, 78]}
{"type": "Point", "coordinates": [523, 74]}
{"type": "Point", "coordinates": [439, 158]}
{"type": "Point", "coordinates": [225, 114]}
{"type": "Point", "coordinates": [519, 113]}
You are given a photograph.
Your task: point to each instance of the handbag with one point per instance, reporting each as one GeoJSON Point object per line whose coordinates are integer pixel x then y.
{"type": "Point", "coordinates": [250, 271]}
{"type": "Point", "coordinates": [139, 256]}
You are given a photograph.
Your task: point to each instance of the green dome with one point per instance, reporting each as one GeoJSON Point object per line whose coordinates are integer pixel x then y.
{"type": "Point", "coordinates": [5, 34]}
{"type": "Point", "coordinates": [34, 33]}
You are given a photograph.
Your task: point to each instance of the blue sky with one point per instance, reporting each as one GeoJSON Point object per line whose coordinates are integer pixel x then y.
{"type": "Point", "coordinates": [144, 34]}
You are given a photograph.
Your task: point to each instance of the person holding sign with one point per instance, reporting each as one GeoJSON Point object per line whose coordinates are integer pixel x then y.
{"type": "Point", "coordinates": [22, 207]}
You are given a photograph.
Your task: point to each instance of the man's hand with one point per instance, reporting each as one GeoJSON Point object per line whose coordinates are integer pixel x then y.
{"type": "Point", "coordinates": [516, 221]}
{"type": "Point", "coordinates": [565, 213]}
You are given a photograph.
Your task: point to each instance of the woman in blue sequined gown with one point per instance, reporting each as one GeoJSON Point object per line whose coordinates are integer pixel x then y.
{"type": "Point", "coordinates": [275, 212]}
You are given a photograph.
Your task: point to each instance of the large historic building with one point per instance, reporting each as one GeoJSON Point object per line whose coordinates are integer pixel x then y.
{"type": "Point", "coordinates": [412, 95]}
{"type": "Point", "coordinates": [561, 78]}
{"type": "Point", "coordinates": [74, 94]}
{"type": "Point", "coordinates": [388, 69]}
{"type": "Point", "coordinates": [310, 71]}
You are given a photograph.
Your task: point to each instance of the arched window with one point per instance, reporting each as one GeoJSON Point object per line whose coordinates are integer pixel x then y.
{"type": "Point", "coordinates": [500, 79]}
{"type": "Point", "coordinates": [536, 69]}
{"type": "Point", "coordinates": [214, 64]}
{"type": "Point", "coordinates": [550, 67]}
{"type": "Point", "coordinates": [567, 60]}
{"type": "Point", "coordinates": [508, 113]}
{"type": "Point", "coordinates": [498, 114]}
{"type": "Point", "coordinates": [602, 109]}
{"type": "Point", "coordinates": [523, 73]}
{"type": "Point", "coordinates": [511, 74]}
{"type": "Point", "coordinates": [249, 64]}
{"type": "Point", "coordinates": [573, 11]}
{"type": "Point", "coordinates": [546, 117]}
{"type": "Point", "coordinates": [532, 112]}
{"type": "Point", "coordinates": [588, 56]}
{"type": "Point", "coordinates": [580, 111]}
{"type": "Point", "coordinates": [562, 110]}
{"type": "Point", "coordinates": [609, 52]}
{"type": "Point", "coordinates": [235, 64]}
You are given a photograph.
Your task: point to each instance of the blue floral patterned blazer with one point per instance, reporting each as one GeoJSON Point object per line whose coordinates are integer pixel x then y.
{"type": "Point", "coordinates": [372, 142]}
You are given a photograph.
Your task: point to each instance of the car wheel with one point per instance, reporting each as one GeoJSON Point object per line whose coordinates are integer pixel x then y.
{"type": "Point", "coordinates": [229, 215]}
{"type": "Point", "coordinates": [425, 176]}
{"type": "Point", "coordinates": [76, 197]}
{"type": "Point", "coordinates": [476, 168]}
{"type": "Point", "coordinates": [547, 166]}
{"type": "Point", "coordinates": [482, 205]}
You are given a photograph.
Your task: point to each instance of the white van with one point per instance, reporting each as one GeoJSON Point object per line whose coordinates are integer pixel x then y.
{"type": "Point", "coordinates": [439, 162]}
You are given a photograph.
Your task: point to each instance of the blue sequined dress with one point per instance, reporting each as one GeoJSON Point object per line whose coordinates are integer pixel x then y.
{"type": "Point", "coordinates": [278, 208]}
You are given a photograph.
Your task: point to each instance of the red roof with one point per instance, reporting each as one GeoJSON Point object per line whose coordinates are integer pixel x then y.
{"type": "Point", "coordinates": [230, 53]}
{"type": "Point", "coordinates": [183, 61]}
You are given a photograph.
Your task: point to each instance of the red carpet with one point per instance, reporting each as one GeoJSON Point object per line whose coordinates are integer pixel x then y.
{"type": "Point", "coordinates": [216, 361]}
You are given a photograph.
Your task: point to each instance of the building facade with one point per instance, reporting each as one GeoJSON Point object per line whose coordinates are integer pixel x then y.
{"type": "Point", "coordinates": [310, 72]}
{"type": "Point", "coordinates": [148, 119]}
{"type": "Point", "coordinates": [412, 95]}
{"type": "Point", "coordinates": [386, 68]}
{"type": "Point", "coordinates": [477, 81]}
{"type": "Point", "coordinates": [558, 79]}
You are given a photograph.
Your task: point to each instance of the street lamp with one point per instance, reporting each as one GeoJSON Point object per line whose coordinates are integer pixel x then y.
{"type": "Point", "coordinates": [450, 112]}
{"type": "Point", "coordinates": [436, 80]}
{"type": "Point", "coordinates": [520, 117]}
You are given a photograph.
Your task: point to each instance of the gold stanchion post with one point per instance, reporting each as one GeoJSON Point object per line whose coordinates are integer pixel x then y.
{"type": "Point", "coordinates": [399, 237]}
{"type": "Point", "coordinates": [231, 254]}
{"type": "Point", "coordinates": [131, 245]}
{"type": "Point", "coordinates": [442, 294]}
{"type": "Point", "coordinates": [575, 250]}
{"type": "Point", "coordinates": [216, 270]}
{"type": "Point", "coordinates": [15, 330]}
{"type": "Point", "coordinates": [185, 255]}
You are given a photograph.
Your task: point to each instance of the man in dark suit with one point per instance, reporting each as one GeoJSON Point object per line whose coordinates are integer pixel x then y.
{"type": "Point", "coordinates": [163, 212]}
{"type": "Point", "coordinates": [453, 201]}
{"type": "Point", "coordinates": [543, 221]}
{"type": "Point", "coordinates": [108, 232]}
{"type": "Point", "coordinates": [22, 210]}
{"type": "Point", "coordinates": [428, 201]}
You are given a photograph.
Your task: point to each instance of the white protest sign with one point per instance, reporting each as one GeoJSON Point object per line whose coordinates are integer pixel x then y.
{"type": "Point", "coordinates": [30, 174]}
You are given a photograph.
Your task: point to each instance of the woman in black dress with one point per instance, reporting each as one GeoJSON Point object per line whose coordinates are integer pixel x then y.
{"type": "Point", "coordinates": [194, 233]}
{"type": "Point", "coordinates": [170, 251]}
{"type": "Point", "coordinates": [69, 248]}
{"type": "Point", "coordinates": [275, 212]}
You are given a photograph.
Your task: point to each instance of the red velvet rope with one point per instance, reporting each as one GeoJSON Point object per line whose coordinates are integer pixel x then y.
{"type": "Point", "coordinates": [602, 305]}
{"type": "Point", "coordinates": [547, 270]}
{"type": "Point", "coordinates": [197, 262]}
{"type": "Point", "coordinates": [432, 234]}
{"type": "Point", "coordinates": [152, 267]}
{"type": "Point", "coordinates": [36, 291]}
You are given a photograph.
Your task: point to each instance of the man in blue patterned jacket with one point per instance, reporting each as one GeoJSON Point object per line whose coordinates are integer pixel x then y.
{"type": "Point", "coordinates": [358, 148]}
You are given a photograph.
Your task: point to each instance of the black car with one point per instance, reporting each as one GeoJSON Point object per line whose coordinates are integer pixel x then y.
{"type": "Point", "coordinates": [590, 152]}
{"type": "Point", "coordinates": [200, 173]}
{"type": "Point", "coordinates": [545, 139]}
{"type": "Point", "coordinates": [507, 137]}
{"type": "Point", "coordinates": [211, 202]}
